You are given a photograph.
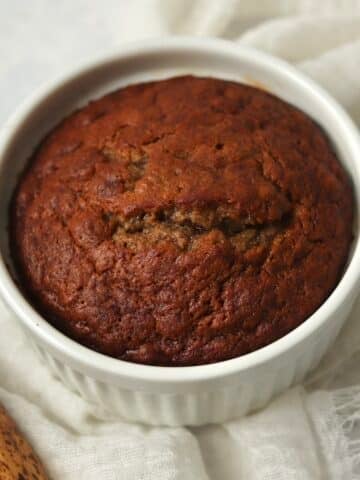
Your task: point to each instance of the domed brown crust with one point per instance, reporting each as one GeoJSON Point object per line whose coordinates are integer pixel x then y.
{"type": "Point", "coordinates": [182, 222]}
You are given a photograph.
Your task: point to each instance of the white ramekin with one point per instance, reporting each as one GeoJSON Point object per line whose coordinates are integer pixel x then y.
{"type": "Point", "coordinates": [178, 395]}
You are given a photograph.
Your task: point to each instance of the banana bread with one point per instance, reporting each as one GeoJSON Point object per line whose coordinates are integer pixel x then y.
{"type": "Point", "coordinates": [181, 222]}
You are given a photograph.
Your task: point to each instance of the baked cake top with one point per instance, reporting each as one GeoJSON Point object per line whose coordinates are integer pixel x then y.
{"type": "Point", "coordinates": [182, 222]}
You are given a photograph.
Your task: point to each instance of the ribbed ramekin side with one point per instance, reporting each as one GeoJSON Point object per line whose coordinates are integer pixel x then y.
{"type": "Point", "coordinates": [195, 408]}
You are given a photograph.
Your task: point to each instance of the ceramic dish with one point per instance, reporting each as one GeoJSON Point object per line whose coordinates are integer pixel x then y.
{"type": "Point", "coordinates": [178, 395]}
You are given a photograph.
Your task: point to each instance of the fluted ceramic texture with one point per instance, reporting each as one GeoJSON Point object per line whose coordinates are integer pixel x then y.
{"type": "Point", "coordinates": [190, 408]}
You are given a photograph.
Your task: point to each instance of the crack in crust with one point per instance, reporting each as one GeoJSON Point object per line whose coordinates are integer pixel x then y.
{"type": "Point", "coordinates": [185, 229]}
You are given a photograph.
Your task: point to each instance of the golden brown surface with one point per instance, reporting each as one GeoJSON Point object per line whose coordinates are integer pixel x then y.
{"type": "Point", "coordinates": [17, 459]}
{"type": "Point", "coordinates": [182, 222]}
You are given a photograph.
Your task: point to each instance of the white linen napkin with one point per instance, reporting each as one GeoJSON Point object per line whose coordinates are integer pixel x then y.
{"type": "Point", "coordinates": [311, 431]}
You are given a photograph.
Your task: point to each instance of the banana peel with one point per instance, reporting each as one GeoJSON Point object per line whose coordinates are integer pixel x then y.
{"type": "Point", "coordinates": [18, 460]}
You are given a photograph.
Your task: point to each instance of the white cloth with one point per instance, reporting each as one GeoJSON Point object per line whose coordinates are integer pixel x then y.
{"type": "Point", "coordinates": [311, 431]}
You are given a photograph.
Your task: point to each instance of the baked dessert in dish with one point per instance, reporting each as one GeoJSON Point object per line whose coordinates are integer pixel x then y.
{"type": "Point", "coordinates": [181, 222]}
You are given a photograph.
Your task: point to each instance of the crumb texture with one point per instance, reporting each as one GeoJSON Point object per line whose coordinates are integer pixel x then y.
{"type": "Point", "coordinates": [182, 222]}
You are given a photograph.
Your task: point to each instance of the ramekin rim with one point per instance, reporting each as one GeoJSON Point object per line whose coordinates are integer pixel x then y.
{"type": "Point", "coordinates": [86, 358]}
